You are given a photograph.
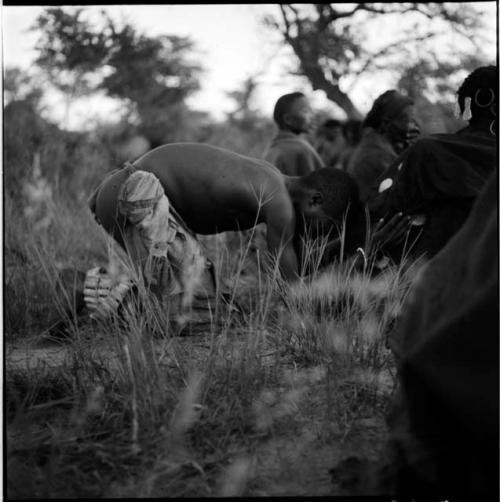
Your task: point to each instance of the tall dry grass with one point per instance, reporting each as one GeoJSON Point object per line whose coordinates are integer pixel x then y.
{"type": "Point", "coordinates": [136, 410]}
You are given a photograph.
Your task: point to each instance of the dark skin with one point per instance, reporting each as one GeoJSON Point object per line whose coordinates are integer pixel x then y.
{"type": "Point", "coordinates": [401, 130]}
{"type": "Point", "coordinates": [215, 190]}
{"type": "Point", "coordinates": [298, 118]}
{"type": "Point", "coordinates": [392, 231]}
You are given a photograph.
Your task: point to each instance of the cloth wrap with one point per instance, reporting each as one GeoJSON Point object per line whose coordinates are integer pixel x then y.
{"type": "Point", "coordinates": [438, 178]}
{"type": "Point", "coordinates": [293, 155]}
{"type": "Point", "coordinates": [444, 417]}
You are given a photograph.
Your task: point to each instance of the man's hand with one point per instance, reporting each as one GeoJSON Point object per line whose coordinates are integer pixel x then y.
{"type": "Point", "coordinates": [392, 232]}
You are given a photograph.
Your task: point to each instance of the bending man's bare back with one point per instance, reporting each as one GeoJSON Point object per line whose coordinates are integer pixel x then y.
{"type": "Point", "coordinates": [215, 190]}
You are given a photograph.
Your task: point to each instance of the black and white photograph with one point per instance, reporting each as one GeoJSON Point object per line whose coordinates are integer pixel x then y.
{"type": "Point", "coordinates": [250, 250]}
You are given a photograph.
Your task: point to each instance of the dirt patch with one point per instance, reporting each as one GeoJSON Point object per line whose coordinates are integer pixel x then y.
{"type": "Point", "coordinates": [316, 456]}
{"type": "Point", "coordinates": [303, 443]}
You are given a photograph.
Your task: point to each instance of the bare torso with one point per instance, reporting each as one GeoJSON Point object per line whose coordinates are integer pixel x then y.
{"type": "Point", "coordinates": [215, 190]}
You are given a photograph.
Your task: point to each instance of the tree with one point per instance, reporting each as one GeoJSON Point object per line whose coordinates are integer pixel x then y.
{"type": "Point", "coordinates": [151, 75]}
{"type": "Point", "coordinates": [429, 77]}
{"type": "Point", "coordinates": [24, 132]}
{"type": "Point", "coordinates": [68, 49]}
{"type": "Point", "coordinates": [329, 40]}
{"type": "Point", "coordinates": [243, 98]}
{"type": "Point", "coordinates": [19, 85]}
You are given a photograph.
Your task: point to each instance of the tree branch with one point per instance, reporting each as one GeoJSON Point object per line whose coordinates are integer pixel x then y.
{"type": "Point", "coordinates": [388, 48]}
{"type": "Point", "coordinates": [401, 10]}
{"type": "Point", "coordinates": [333, 15]}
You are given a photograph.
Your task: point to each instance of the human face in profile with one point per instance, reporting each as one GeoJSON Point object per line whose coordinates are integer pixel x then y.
{"type": "Point", "coordinates": [298, 119]}
{"type": "Point", "coordinates": [403, 130]}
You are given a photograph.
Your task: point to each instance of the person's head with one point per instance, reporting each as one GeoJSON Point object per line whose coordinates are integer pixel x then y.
{"type": "Point", "coordinates": [351, 129]}
{"type": "Point", "coordinates": [292, 112]}
{"type": "Point", "coordinates": [323, 198]}
{"type": "Point", "coordinates": [329, 141]}
{"type": "Point", "coordinates": [393, 116]}
{"type": "Point", "coordinates": [478, 95]}
{"type": "Point", "coordinates": [330, 129]}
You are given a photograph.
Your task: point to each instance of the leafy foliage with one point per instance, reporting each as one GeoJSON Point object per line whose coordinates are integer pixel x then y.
{"type": "Point", "coordinates": [19, 85]}
{"type": "Point", "coordinates": [69, 49]}
{"type": "Point", "coordinates": [152, 75]}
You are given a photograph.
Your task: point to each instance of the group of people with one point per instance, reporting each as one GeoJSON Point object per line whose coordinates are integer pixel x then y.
{"type": "Point", "coordinates": [432, 179]}
{"type": "Point", "coordinates": [417, 191]}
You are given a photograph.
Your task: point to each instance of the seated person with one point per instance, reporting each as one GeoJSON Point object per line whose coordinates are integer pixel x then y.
{"type": "Point", "coordinates": [351, 131]}
{"type": "Point", "coordinates": [180, 189]}
{"type": "Point", "coordinates": [289, 151]}
{"type": "Point", "coordinates": [388, 130]}
{"type": "Point", "coordinates": [330, 142]}
{"type": "Point", "coordinates": [444, 418]}
{"type": "Point", "coordinates": [440, 176]}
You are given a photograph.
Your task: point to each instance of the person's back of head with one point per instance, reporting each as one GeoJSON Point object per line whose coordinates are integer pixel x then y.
{"type": "Point", "coordinates": [478, 97]}
{"type": "Point", "coordinates": [292, 112]}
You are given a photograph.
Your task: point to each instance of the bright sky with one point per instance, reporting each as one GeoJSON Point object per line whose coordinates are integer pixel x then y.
{"type": "Point", "coordinates": [232, 44]}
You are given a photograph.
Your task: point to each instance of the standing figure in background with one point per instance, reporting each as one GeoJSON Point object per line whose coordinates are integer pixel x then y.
{"type": "Point", "coordinates": [330, 142]}
{"type": "Point", "coordinates": [388, 130]}
{"type": "Point", "coordinates": [289, 151]}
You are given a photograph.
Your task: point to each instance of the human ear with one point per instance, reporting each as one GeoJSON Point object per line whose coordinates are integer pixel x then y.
{"type": "Point", "coordinates": [316, 199]}
{"type": "Point", "coordinates": [288, 119]}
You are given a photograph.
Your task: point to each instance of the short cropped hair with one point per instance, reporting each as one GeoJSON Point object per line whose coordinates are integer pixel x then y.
{"type": "Point", "coordinates": [482, 87]}
{"type": "Point", "coordinates": [339, 191]}
{"type": "Point", "coordinates": [388, 105]}
{"type": "Point", "coordinates": [283, 106]}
